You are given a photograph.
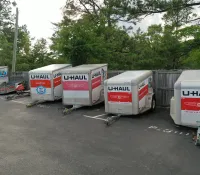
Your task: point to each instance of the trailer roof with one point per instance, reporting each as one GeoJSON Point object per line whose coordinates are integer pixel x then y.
{"type": "Point", "coordinates": [49, 68]}
{"type": "Point", "coordinates": [85, 68]}
{"type": "Point", "coordinates": [129, 77]}
{"type": "Point", "coordinates": [190, 75]}
{"type": "Point", "coordinates": [187, 77]}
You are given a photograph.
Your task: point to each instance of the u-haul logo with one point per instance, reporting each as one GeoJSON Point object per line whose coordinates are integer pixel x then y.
{"type": "Point", "coordinates": [97, 74]}
{"type": "Point", "coordinates": [127, 89]}
{"type": "Point", "coordinates": [194, 93]}
{"type": "Point", "coordinates": [43, 77]}
{"type": "Point", "coordinates": [75, 77]}
{"type": "Point", "coordinates": [57, 75]}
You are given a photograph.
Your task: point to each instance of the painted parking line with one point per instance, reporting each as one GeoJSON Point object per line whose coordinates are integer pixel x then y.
{"type": "Point", "coordinates": [169, 131]}
{"type": "Point", "coordinates": [99, 115]}
{"type": "Point", "coordinates": [96, 117]}
{"type": "Point", "coordinates": [26, 102]}
{"type": "Point", "coordinates": [20, 102]}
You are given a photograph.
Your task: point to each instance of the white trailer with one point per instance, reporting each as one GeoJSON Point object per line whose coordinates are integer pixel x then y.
{"type": "Point", "coordinates": [83, 85]}
{"type": "Point", "coordinates": [185, 105]}
{"type": "Point", "coordinates": [46, 84]}
{"type": "Point", "coordinates": [3, 74]}
{"type": "Point", "coordinates": [129, 93]}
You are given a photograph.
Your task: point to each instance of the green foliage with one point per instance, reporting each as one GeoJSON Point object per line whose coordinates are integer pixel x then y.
{"type": "Point", "coordinates": [89, 33]}
{"type": "Point", "coordinates": [193, 60]}
{"type": "Point", "coordinates": [86, 41]}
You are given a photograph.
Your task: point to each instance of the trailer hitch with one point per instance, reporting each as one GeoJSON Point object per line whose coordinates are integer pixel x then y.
{"type": "Point", "coordinates": [67, 111]}
{"type": "Point", "coordinates": [34, 103]}
{"type": "Point", "coordinates": [110, 120]}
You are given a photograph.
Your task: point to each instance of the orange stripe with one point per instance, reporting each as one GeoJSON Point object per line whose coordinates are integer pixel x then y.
{"type": "Point", "coordinates": [57, 81]}
{"type": "Point", "coordinates": [143, 92]}
{"type": "Point", "coordinates": [120, 97]}
{"type": "Point", "coordinates": [36, 83]}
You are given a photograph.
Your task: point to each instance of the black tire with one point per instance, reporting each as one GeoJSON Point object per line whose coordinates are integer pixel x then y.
{"type": "Point", "coordinates": [153, 104]}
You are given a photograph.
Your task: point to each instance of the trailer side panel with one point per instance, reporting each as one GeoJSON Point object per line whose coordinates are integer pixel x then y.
{"type": "Point", "coordinates": [98, 77]}
{"type": "Point", "coordinates": [75, 89]}
{"type": "Point", "coordinates": [57, 84]}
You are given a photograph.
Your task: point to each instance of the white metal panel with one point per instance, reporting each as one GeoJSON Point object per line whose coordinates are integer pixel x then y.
{"type": "Point", "coordinates": [45, 82]}
{"type": "Point", "coordinates": [187, 98]}
{"type": "Point", "coordinates": [177, 102]}
{"type": "Point", "coordinates": [129, 77]}
{"type": "Point", "coordinates": [86, 80]}
{"type": "Point", "coordinates": [188, 75]}
{"type": "Point", "coordinates": [190, 103]}
{"type": "Point", "coordinates": [98, 76]}
{"type": "Point", "coordinates": [143, 90]}
{"type": "Point", "coordinates": [75, 89]}
{"type": "Point", "coordinates": [3, 74]}
{"type": "Point", "coordinates": [50, 68]}
{"type": "Point", "coordinates": [85, 68]}
{"type": "Point", "coordinates": [118, 99]}
{"type": "Point", "coordinates": [123, 97]}
{"type": "Point", "coordinates": [57, 84]}
{"type": "Point", "coordinates": [41, 86]}
{"type": "Point", "coordinates": [44, 94]}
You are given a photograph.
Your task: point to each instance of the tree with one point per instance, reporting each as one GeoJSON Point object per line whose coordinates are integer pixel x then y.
{"type": "Point", "coordinates": [6, 27]}
{"type": "Point", "coordinates": [136, 8]}
{"type": "Point", "coordinates": [88, 41]}
{"type": "Point", "coordinates": [40, 55]}
{"type": "Point", "coordinates": [5, 15]}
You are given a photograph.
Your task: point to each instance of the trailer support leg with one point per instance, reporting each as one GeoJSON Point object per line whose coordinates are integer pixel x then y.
{"type": "Point", "coordinates": [67, 111]}
{"type": "Point", "coordinates": [197, 141]}
{"type": "Point", "coordinates": [110, 120]}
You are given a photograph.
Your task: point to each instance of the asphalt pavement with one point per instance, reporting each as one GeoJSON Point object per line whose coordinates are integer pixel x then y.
{"type": "Point", "coordinates": [41, 141]}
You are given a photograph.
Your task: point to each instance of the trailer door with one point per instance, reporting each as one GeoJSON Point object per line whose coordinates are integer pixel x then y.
{"type": "Point", "coordinates": [190, 102]}
{"type": "Point", "coordinates": [40, 86]}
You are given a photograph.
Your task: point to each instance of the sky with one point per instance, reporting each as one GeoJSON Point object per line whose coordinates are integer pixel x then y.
{"type": "Point", "coordinates": [38, 15]}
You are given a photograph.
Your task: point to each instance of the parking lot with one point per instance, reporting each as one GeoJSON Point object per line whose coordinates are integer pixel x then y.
{"type": "Point", "coordinates": [41, 141]}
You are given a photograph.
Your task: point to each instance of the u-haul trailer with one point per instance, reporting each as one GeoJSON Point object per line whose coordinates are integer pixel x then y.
{"type": "Point", "coordinates": [3, 74]}
{"type": "Point", "coordinates": [4, 87]}
{"type": "Point", "coordinates": [83, 85]}
{"type": "Point", "coordinates": [46, 83]}
{"type": "Point", "coordinates": [129, 93]}
{"type": "Point", "coordinates": [7, 86]}
{"type": "Point", "coordinates": [185, 105]}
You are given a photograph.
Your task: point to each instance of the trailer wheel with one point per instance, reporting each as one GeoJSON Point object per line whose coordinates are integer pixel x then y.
{"type": "Point", "coordinates": [153, 103]}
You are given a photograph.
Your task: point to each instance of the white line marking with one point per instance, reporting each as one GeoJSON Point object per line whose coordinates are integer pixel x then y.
{"type": "Point", "coordinates": [175, 132]}
{"type": "Point", "coordinates": [94, 118]}
{"type": "Point", "coordinates": [20, 102]}
{"type": "Point", "coordinates": [99, 116]}
{"type": "Point", "coordinates": [153, 127]}
{"type": "Point", "coordinates": [167, 131]}
{"type": "Point", "coordinates": [187, 134]}
{"type": "Point", "coordinates": [181, 133]}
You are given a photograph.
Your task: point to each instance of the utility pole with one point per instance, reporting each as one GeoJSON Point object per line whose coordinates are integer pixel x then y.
{"type": "Point", "coordinates": [15, 42]}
